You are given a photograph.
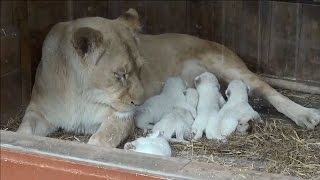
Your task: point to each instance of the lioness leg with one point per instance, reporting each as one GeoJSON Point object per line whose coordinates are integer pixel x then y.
{"type": "Point", "coordinates": [302, 116]}
{"type": "Point", "coordinates": [112, 132]}
{"type": "Point", "coordinates": [229, 68]}
{"type": "Point", "coordinates": [33, 123]}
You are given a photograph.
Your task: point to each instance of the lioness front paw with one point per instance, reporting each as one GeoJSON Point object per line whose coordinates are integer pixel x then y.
{"type": "Point", "coordinates": [96, 140]}
{"type": "Point", "coordinates": [307, 117]}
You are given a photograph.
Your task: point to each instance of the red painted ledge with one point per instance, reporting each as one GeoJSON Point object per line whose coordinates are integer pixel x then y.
{"type": "Point", "coordinates": [34, 157]}
{"type": "Point", "coordinates": [19, 165]}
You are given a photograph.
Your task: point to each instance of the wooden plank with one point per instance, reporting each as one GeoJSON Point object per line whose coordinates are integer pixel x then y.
{"type": "Point", "coordinates": [73, 157]}
{"type": "Point", "coordinates": [44, 167]}
{"type": "Point", "coordinates": [42, 14]}
{"type": "Point", "coordinates": [21, 17]}
{"type": "Point", "coordinates": [10, 95]}
{"type": "Point", "coordinates": [249, 37]}
{"type": "Point", "coordinates": [6, 13]}
{"type": "Point", "coordinates": [166, 17]}
{"type": "Point", "coordinates": [232, 20]}
{"type": "Point", "coordinates": [284, 40]}
{"type": "Point", "coordinates": [10, 50]}
{"type": "Point", "coordinates": [235, 24]}
{"type": "Point", "coordinates": [89, 9]}
{"type": "Point", "coordinates": [116, 8]}
{"type": "Point", "coordinates": [309, 47]}
{"type": "Point", "coordinates": [200, 22]}
{"type": "Point", "coordinates": [265, 15]}
{"type": "Point", "coordinates": [218, 21]}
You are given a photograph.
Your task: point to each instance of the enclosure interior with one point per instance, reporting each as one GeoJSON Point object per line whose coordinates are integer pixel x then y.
{"type": "Point", "coordinates": [276, 39]}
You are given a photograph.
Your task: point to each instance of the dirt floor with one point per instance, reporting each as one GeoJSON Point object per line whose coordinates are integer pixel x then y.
{"type": "Point", "coordinates": [277, 146]}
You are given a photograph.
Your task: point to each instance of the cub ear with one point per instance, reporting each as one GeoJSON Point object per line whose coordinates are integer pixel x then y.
{"type": "Point", "coordinates": [197, 81]}
{"type": "Point", "coordinates": [228, 93]}
{"type": "Point", "coordinates": [85, 40]}
{"type": "Point", "coordinates": [131, 18]}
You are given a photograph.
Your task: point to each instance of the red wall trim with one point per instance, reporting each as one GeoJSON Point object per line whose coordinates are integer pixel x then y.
{"type": "Point", "coordinates": [19, 165]}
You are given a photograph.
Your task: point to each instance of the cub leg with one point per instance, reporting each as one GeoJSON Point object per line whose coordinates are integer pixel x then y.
{"type": "Point", "coordinates": [302, 116]}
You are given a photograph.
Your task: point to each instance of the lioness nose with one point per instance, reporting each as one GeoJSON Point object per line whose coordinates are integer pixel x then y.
{"type": "Point", "coordinates": [135, 103]}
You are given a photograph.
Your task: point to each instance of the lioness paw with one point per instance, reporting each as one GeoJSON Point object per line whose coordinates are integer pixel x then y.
{"type": "Point", "coordinates": [98, 141]}
{"type": "Point", "coordinates": [307, 117]}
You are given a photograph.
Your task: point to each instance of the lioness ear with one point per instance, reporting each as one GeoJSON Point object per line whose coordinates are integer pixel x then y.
{"type": "Point", "coordinates": [131, 18]}
{"type": "Point", "coordinates": [85, 40]}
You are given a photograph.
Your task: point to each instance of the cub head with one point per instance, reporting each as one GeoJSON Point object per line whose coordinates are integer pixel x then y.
{"type": "Point", "coordinates": [237, 86]}
{"type": "Point", "coordinates": [109, 59]}
{"type": "Point", "coordinates": [205, 79]}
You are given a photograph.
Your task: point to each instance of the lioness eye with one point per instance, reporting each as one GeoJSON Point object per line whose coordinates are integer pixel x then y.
{"type": "Point", "coordinates": [121, 77]}
{"type": "Point", "coordinates": [126, 75]}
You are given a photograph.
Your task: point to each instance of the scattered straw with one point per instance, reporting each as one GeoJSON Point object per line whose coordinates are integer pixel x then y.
{"type": "Point", "coordinates": [276, 146]}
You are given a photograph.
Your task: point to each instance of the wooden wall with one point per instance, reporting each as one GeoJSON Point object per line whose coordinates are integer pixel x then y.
{"type": "Point", "coordinates": [273, 37]}
{"type": "Point", "coordinates": [276, 38]}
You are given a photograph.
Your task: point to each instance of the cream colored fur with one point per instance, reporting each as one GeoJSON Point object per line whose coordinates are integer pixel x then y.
{"type": "Point", "coordinates": [152, 110]}
{"type": "Point", "coordinates": [81, 88]}
{"type": "Point", "coordinates": [237, 107]}
{"type": "Point", "coordinates": [154, 143]}
{"type": "Point", "coordinates": [209, 104]}
{"type": "Point", "coordinates": [178, 122]}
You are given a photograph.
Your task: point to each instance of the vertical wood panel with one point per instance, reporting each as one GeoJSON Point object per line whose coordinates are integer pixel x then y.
{"type": "Point", "coordinates": [236, 25]}
{"type": "Point", "coordinates": [233, 25]}
{"type": "Point", "coordinates": [309, 48]}
{"type": "Point", "coordinates": [200, 19]}
{"type": "Point", "coordinates": [116, 8]}
{"type": "Point", "coordinates": [249, 36]}
{"type": "Point", "coordinates": [6, 13]}
{"type": "Point", "coordinates": [285, 29]}
{"type": "Point", "coordinates": [10, 50]}
{"type": "Point", "coordinates": [41, 14]}
{"type": "Point", "coordinates": [10, 95]}
{"type": "Point", "coordinates": [218, 21]}
{"type": "Point", "coordinates": [20, 17]}
{"type": "Point", "coordinates": [265, 14]}
{"type": "Point", "coordinates": [89, 9]}
{"type": "Point", "coordinates": [168, 16]}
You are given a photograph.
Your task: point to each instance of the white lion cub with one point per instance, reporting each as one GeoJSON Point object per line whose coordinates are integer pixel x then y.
{"type": "Point", "coordinates": [152, 110]}
{"type": "Point", "coordinates": [237, 112]}
{"type": "Point", "coordinates": [210, 102]}
{"type": "Point", "coordinates": [154, 143]}
{"type": "Point", "coordinates": [178, 122]}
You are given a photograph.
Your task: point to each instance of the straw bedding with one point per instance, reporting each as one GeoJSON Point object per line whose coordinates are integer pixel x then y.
{"type": "Point", "coordinates": [276, 146]}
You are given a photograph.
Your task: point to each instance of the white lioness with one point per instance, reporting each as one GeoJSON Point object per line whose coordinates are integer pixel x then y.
{"type": "Point", "coordinates": [92, 73]}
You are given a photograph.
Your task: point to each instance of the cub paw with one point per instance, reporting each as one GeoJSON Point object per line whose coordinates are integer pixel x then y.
{"type": "Point", "coordinates": [129, 146]}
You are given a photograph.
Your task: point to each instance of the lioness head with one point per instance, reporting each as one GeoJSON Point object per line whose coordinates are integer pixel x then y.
{"type": "Point", "coordinates": [107, 50]}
